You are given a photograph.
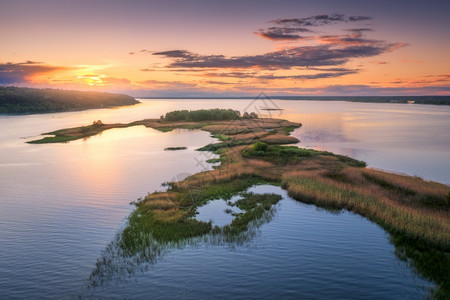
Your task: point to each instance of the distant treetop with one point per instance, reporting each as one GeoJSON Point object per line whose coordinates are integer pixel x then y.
{"type": "Point", "coordinates": [215, 114]}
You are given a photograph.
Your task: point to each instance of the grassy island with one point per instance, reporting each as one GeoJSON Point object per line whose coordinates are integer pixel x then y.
{"type": "Point", "coordinates": [252, 150]}
{"type": "Point", "coordinates": [15, 100]}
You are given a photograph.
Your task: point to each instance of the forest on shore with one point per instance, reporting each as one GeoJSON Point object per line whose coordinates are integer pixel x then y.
{"type": "Point", "coordinates": [17, 100]}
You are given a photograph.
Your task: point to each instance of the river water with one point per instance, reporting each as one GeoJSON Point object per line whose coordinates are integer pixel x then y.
{"type": "Point", "coordinates": [61, 205]}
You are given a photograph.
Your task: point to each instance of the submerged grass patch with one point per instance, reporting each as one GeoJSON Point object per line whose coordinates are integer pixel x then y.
{"type": "Point", "coordinates": [254, 206]}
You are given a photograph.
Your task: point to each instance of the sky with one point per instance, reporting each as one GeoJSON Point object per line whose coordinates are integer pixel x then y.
{"type": "Point", "coordinates": [228, 48]}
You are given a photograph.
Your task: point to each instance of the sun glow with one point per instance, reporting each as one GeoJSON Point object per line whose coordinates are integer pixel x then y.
{"type": "Point", "coordinates": [91, 79]}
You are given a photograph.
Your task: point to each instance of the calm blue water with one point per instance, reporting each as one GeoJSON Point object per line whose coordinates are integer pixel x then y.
{"type": "Point", "coordinates": [302, 252]}
{"type": "Point", "coordinates": [62, 205]}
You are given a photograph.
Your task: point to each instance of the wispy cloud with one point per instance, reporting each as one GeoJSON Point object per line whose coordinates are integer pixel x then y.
{"type": "Point", "coordinates": [283, 33]}
{"type": "Point", "coordinates": [323, 73]}
{"type": "Point", "coordinates": [17, 73]}
{"type": "Point", "coordinates": [320, 20]}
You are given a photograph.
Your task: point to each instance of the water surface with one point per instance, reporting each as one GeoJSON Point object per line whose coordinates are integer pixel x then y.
{"type": "Point", "coordinates": [61, 205]}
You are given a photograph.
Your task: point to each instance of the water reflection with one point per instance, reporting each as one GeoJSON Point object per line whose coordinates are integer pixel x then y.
{"type": "Point", "coordinates": [135, 250]}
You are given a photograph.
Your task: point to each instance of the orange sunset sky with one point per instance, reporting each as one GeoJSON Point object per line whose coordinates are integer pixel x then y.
{"type": "Point", "coordinates": [228, 48]}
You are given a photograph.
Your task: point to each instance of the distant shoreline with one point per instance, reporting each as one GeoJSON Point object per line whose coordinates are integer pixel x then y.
{"type": "Point", "coordinates": [429, 100]}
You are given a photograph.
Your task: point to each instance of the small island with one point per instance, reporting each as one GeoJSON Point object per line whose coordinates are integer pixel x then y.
{"type": "Point", "coordinates": [253, 151]}
{"type": "Point", "coordinates": [15, 100]}
{"type": "Point", "coordinates": [175, 148]}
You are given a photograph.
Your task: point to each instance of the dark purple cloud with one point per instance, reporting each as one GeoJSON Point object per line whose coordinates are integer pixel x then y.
{"type": "Point", "coordinates": [323, 73]}
{"type": "Point", "coordinates": [310, 76]}
{"type": "Point", "coordinates": [359, 18]}
{"type": "Point", "coordinates": [282, 33]}
{"type": "Point", "coordinates": [320, 20]}
{"type": "Point", "coordinates": [304, 56]}
{"type": "Point", "coordinates": [289, 29]}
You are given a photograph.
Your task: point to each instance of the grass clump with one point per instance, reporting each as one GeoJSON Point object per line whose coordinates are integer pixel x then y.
{"type": "Point", "coordinates": [277, 154]}
{"type": "Point", "coordinates": [213, 160]}
{"type": "Point", "coordinates": [162, 229]}
{"type": "Point", "coordinates": [254, 205]}
{"type": "Point", "coordinates": [282, 155]}
{"type": "Point", "coordinates": [56, 139]}
{"type": "Point", "coordinates": [217, 146]}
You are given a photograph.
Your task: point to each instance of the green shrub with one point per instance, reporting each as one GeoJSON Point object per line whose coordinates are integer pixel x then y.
{"type": "Point", "coordinates": [259, 146]}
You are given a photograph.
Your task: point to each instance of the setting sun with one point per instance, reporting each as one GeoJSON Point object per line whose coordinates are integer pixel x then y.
{"type": "Point", "coordinates": [92, 79]}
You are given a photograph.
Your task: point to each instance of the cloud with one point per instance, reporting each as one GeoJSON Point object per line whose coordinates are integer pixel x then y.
{"type": "Point", "coordinates": [303, 56]}
{"type": "Point", "coordinates": [428, 80]}
{"type": "Point", "coordinates": [310, 76]}
{"type": "Point", "coordinates": [17, 73]}
{"type": "Point", "coordinates": [282, 33]}
{"type": "Point", "coordinates": [230, 74]}
{"type": "Point", "coordinates": [316, 56]}
{"type": "Point", "coordinates": [175, 53]}
{"type": "Point", "coordinates": [359, 30]}
{"type": "Point", "coordinates": [289, 29]}
{"type": "Point", "coordinates": [350, 90]}
{"type": "Point", "coordinates": [359, 18]}
{"type": "Point", "coordinates": [375, 62]}
{"type": "Point", "coordinates": [323, 73]}
{"type": "Point", "coordinates": [116, 81]}
{"type": "Point", "coordinates": [145, 51]}
{"type": "Point", "coordinates": [388, 91]}
{"type": "Point", "coordinates": [158, 84]}
{"type": "Point", "coordinates": [320, 20]}
{"type": "Point", "coordinates": [411, 61]}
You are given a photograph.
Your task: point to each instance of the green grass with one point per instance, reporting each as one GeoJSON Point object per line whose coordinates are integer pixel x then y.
{"type": "Point", "coordinates": [217, 146]}
{"type": "Point", "coordinates": [220, 137]}
{"type": "Point", "coordinates": [56, 139]}
{"type": "Point", "coordinates": [213, 160]}
{"type": "Point", "coordinates": [283, 155]}
{"type": "Point", "coordinates": [197, 196]}
{"type": "Point", "coordinates": [254, 205]}
{"type": "Point", "coordinates": [145, 222]}
{"type": "Point", "coordinates": [159, 222]}
{"type": "Point", "coordinates": [288, 129]}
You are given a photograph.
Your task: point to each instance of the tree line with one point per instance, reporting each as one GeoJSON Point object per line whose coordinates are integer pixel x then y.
{"type": "Point", "coordinates": [207, 115]}
{"type": "Point", "coordinates": [17, 100]}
